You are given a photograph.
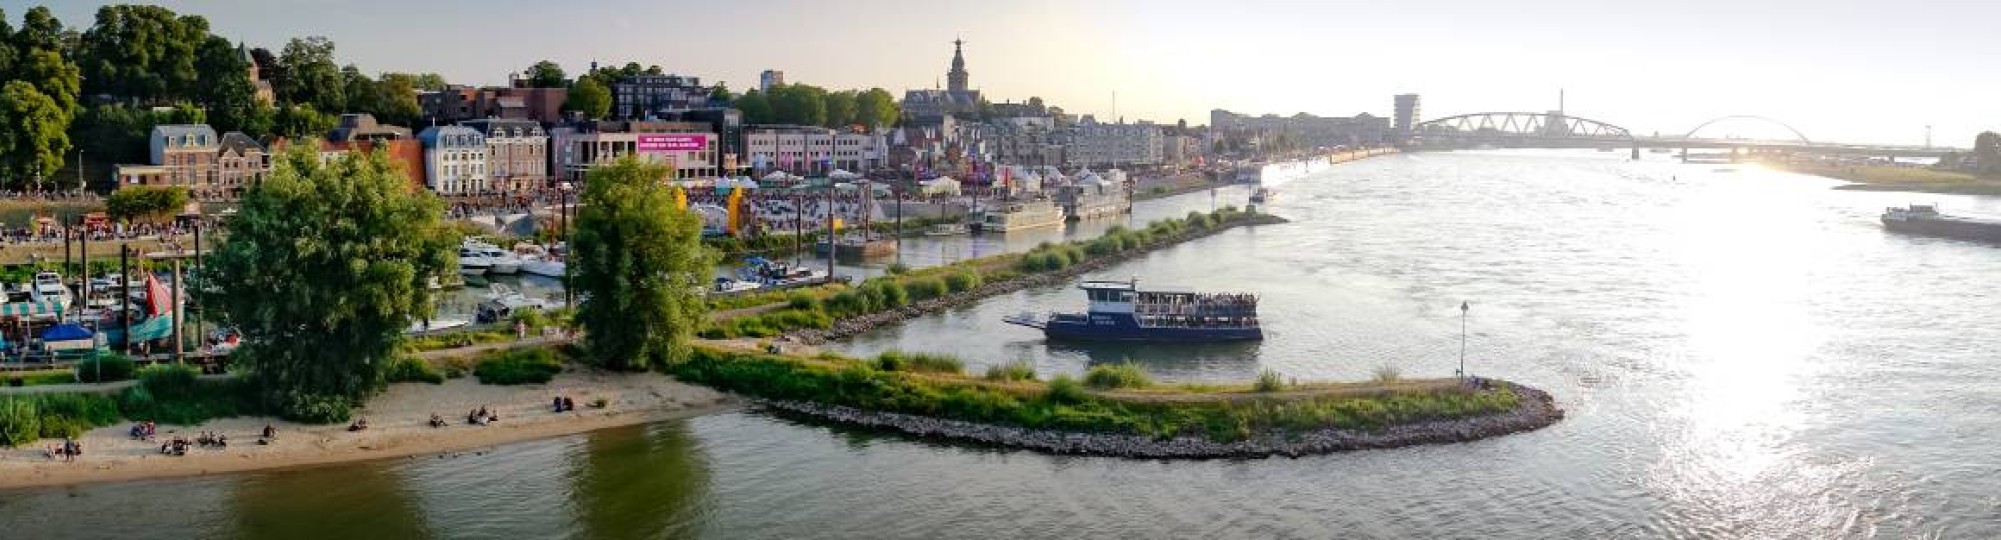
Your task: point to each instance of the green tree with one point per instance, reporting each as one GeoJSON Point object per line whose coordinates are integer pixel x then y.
{"type": "Point", "coordinates": [397, 100]}
{"type": "Point", "coordinates": [39, 30]}
{"type": "Point", "coordinates": [8, 55]}
{"type": "Point", "coordinates": [876, 109]}
{"type": "Point", "coordinates": [310, 75]}
{"type": "Point", "coordinates": [430, 82]}
{"type": "Point", "coordinates": [840, 107]}
{"type": "Point", "coordinates": [227, 91]}
{"type": "Point", "coordinates": [53, 76]}
{"type": "Point", "coordinates": [142, 52]}
{"type": "Point", "coordinates": [302, 121]}
{"type": "Point", "coordinates": [799, 104]}
{"type": "Point", "coordinates": [722, 94]}
{"type": "Point", "coordinates": [145, 202]}
{"type": "Point", "coordinates": [756, 108]}
{"type": "Point", "coordinates": [33, 134]}
{"type": "Point", "coordinates": [323, 268]}
{"type": "Point", "coordinates": [546, 74]}
{"type": "Point", "coordinates": [590, 97]}
{"type": "Point", "coordinates": [1987, 152]}
{"type": "Point", "coordinates": [639, 266]}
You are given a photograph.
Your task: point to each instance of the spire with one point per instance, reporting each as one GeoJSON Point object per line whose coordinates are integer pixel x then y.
{"type": "Point", "coordinates": [956, 78]}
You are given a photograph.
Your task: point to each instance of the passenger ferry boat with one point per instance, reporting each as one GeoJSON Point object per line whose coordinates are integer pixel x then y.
{"type": "Point", "coordinates": [1019, 215]}
{"type": "Point", "coordinates": [1093, 196]}
{"type": "Point", "coordinates": [1119, 311]}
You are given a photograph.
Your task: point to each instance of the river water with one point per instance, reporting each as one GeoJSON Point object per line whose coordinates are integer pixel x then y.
{"type": "Point", "coordinates": [1743, 353]}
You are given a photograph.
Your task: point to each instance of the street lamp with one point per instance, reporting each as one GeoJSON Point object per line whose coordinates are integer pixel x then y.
{"type": "Point", "coordinates": [1464, 307]}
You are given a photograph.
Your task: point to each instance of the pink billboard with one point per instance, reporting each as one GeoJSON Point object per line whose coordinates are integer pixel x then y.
{"type": "Point", "coordinates": [672, 142]}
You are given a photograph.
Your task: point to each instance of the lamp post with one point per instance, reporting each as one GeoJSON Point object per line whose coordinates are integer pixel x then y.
{"type": "Point", "coordinates": [1464, 307]}
{"type": "Point", "coordinates": [563, 236]}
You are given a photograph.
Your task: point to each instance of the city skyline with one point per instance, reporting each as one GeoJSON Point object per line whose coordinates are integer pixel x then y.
{"type": "Point", "coordinates": [1844, 78]}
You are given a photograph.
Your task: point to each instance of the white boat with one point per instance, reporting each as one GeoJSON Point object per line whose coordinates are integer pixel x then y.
{"type": "Point", "coordinates": [1014, 216]}
{"type": "Point", "coordinates": [946, 229]}
{"type": "Point", "coordinates": [473, 262]}
{"type": "Point", "coordinates": [778, 274]}
{"type": "Point", "coordinates": [498, 261]}
{"type": "Point", "coordinates": [733, 286]}
{"type": "Point", "coordinates": [538, 261]}
{"type": "Point", "coordinates": [505, 302]}
{"type": "Point", "coordinates": [48, 287]}
{"type": "Point", "coordinates": [434, 325]}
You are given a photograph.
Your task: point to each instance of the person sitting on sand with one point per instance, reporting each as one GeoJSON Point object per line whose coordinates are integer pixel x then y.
{"type": "Point", "coordinates": [270, 432]}
{"type": "Point", "coordinates": [558, 404]}
{"type": "Point", "coordinates": [569, 404]}
{"type": "Point", "coordinates": [358, 424]}
{"type": "Point", "coordinates": [437, 421]}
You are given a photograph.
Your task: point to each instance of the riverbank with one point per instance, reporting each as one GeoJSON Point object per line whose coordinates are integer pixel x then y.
{"type": "Point", "coordinates": [847, 327]}
{"type": "Point", "coordinates": [1891, 178]}
{"type": "Point", "coordinates": [398, 427]}
{"type": "Point", "coordinates": [930, 397]}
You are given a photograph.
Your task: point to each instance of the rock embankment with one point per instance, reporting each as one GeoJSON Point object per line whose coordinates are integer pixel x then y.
{"type": "Point", "coordinates": [853, 326]}
{"type": "Point", "coordinates": [1537, 410]}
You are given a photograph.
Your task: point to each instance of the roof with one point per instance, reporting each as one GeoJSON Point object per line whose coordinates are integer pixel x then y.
{"type": "Point", "coordinates": [450, 136]}
{"type": "Point", "coordinates": [239, 143]}
{"type": "Point", "coordinates": [505, 127]}
{"type": "Point", "coordinates": [176, 130]}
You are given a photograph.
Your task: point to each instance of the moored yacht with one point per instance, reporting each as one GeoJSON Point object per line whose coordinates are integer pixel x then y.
{"type": "Point", "coordinates": [1019, 215]}
{"type": "Point", "coordinates": [1119, 311]}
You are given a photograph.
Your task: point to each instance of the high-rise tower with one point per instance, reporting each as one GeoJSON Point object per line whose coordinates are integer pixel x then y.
{"type": "Point", "coordinates": [955, 80]}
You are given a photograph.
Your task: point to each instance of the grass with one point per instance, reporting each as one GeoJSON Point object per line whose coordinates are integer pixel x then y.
{"type": "Point", "coordinates": [410, 369]}
{"type": "Point", "coordinates": [41, 378]}
{"type": "Point", "coordinates": [1387, 374]}
{"type": "Point", "coordinates": [29, 418]}
{"type": "Point", "coordinates": [1268, 381]}
{"type": "Point", "coordinates": [1121, 375]}
{"type": "Point", "coordinates": [533, 365]}
{"type": "Point", "coordinates": [174, 394]}
{"type": "Point", "coordinates": [456, 340]}
{"type": "Point", "coordinates": [104, 368]}
{"type": "Point", "coordinates": [1066, 404]}
{"type": "Point", "coordinates": [1019, 370]}
{"type": "Point", "coordinates": [894, 360]}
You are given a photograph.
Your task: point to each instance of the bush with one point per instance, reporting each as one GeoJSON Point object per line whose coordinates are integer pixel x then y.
{"type": "Point", "coordinates": [1064, 389]}
{"type": "Point", "coordinates": [314, 409]}
{"type": "Point", "coordinates": [105, 368]}
{"type": "Point", "coordinates": [1387, 373]}
{"type": "Point", "coordinates": [170, 381]}
{"type": "Point", "coordinates": [1120, 375]}
{"type": "Point", "coordinates": [959, 282]}
{"type": "Point", "coordinates": [894, 360]}
{"type": "Point", "coordinates": [802, 300]}
{"type": "Point", "coordinates": [898, 268]}
{"type": "Point", "coordinates": [20, 423]}
{"type": "Point", "coordinates": [520, 366]}
{"type": "Point", "coordinates": [411, 369]}
{"type": "Point", "coordinates": [174, 394]}
{"type": "Point", "coordinates": [25, 419]}
{"type": "Point", "coordinates": [1019, 370]}
{"type": "Point", "coordinates": [1268, 381]}
{"type": "Point", "coordinates": [926, 288]}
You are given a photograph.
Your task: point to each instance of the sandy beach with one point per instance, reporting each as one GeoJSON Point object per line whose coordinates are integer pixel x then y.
{"type": "Point", "coordinates": [398, 426]}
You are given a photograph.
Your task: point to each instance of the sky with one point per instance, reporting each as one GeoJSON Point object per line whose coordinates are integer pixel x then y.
{"type": "Point", "coordinates": [1837, 70]}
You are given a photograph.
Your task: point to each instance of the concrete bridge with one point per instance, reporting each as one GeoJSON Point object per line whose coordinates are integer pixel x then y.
{"type": "Point", "coordinates": [1557, 130]}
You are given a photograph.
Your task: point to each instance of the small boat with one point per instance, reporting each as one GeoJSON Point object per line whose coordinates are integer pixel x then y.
{"type": "Point", "coordinates": [1119, 311]}
{"type": "Point", "coordinates": [539, 262]}
{"type": "Point", "coordinates": [775, 274]}
{"type": "Point", "coordinates": [473, 262]}
{"type": "Point", "coordinates": [48, 287]}
{"type": "Point", "coordinates": [498, 261]}
{"type": "Point", "coordinates": [435, 325]}
{"type": "Point", "coordinates": [1261, 195]}
{"type": "Point", "coordinates": [505, 302]}
{"type": "Point", "coordinates": [726, 286]}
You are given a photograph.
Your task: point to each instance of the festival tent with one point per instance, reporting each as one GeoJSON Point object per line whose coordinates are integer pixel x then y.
{"type": "Point", "coordinates": [943, 185]}
{"type": "Point", "coordinates": [64, 337]}
{"type": "Point", "coordinates": [30, 309]}
{"type": "Point", "coordinates": [842, 174]}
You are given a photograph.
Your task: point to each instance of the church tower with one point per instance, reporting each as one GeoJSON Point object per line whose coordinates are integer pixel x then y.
{"type": "Point", "coordinates": [955, 80]}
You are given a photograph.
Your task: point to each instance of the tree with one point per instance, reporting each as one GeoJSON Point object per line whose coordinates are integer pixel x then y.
{"type": "Point", "coordinates": [876, 109]}
{"type": "Point", "coordinates": [39, 30]}
{"type": "Point", "coordinates": [546, 74]}
{"type": "Point", "coordinates": [301, 121]}
{"type": "Point", "coordinates": [800, 104]}
{"type": "Point", "coordinates": [1987, 152]}
{"type": "Point", "coordinates": [145, 202]}
{"type": "Point", "coordinates": [639, 266]}
{"type": "Point", "coordinates": [227, 91]}
{"type": "Point", "coordinates": [7, 53]}
{"type": "Point", "coordinates": [53, 76]}
{"type": "Point", "coordinates": [33, 136]}
{"type": "Point", "coordinates": [141, 52]}
{"type": "Point", "coordinates": [324, 267]}
{"type": "Point", "coordinates": [590, 97]}
{"type": "Point", "coordinates": [840, 107]}
{"type": "Point", "coordinates": [721, 94]}
{"type": "Point", "coordinates": [397, 100]}
{"type": "Point", "coordinates": [311, 76]}
{"type": "Point", "coordinates": [361, 92]}
{"type": "Point", "coordinates": [756, 108]}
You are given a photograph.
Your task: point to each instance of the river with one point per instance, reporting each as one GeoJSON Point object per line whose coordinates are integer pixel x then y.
{"type": "Point", "coordinates": [1743, 353]}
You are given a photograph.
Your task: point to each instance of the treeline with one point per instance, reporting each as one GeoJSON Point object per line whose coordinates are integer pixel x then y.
{"type": "Point", "coordinates": [96, 89]}
{"type": "Point", "coordinates": [809, 105]}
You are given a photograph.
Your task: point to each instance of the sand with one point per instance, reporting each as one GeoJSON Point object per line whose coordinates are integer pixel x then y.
{"type": "Point", "coordinates": [398, 427]}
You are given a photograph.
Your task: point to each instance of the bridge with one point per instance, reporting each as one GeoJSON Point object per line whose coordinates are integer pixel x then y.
{"type": "Point", "coordinates": [1555, 129]}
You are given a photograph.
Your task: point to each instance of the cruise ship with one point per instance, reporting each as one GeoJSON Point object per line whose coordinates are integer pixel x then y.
{"type": "Point", "coordinates": [1925, 219]}
{"type": "Point", "coordinates": [1119, 311]}
{"type": "Point", "coordinates": [1093, 196]}
{"type": "Point", "coordinates": [1019, 215]}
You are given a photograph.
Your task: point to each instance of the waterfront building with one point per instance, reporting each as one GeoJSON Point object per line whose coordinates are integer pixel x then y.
{"type": "Point", "coordinates": [1406, 117]}
{"type": "Point", "coordinates": [688, 149]}
{"type": "Point", "coordinates": [1303, 129]}
{"type": "Point", "coordinates": [1179, 149]}
{"type": "Point", "coordinates": [517, 153]}
{"type": "Point", "coordinates": [648, 96]}
{"type": "Point", "coordinates": [240, 162]}
{"type": "Point", "coordinates": [769, 79]}
{"type": "Point", "coordinates": [406, 155]}
{"type": "Point", "coordinates": [177, 155]}
{"type": "Point", "coordinates": [458, 103]}
{"type": "Point", "coordinates": [811, 150]}
{"type": "Point", "coordinates": [455, 159]}
{"type": "Point", "coordinates": [1092, 143]}
{"type": "Point", "coordinates": [362, 126]}
{"type": "Point", "coordinates": [958, 98]}
{"type": "Point", "coordinates": [1034, 142]}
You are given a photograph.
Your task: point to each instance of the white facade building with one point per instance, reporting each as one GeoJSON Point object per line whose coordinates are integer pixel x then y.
{"type": "Point", "coordinates": [1092, 143]}
{"type": "Point", "coordinates": [812, 150]}
{"type": "Point", "coordinates": [693, 154]}
{"type": "Point", "coordinates": [455, 159]}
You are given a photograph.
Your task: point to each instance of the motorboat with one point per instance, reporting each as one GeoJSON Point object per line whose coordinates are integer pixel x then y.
{"type": "Point", "coordinates": [435, 325]}
{"type": "Point", "coordinates": [538, 261]}
{"type": "Point", "coordinates": [946, 229]}
{"type": "Point", "coordinates": [498, 261]}
{"type": "Point", "coordinates": [725, 285]}
{"type": "Point", "coordinates": [779, 274]}
{"type": "Point", "coordinates": [473, 261]}
{"type": "Point", "coordinates": [504, 302]}
{"type": "Point", "coordinates": [48, 287]}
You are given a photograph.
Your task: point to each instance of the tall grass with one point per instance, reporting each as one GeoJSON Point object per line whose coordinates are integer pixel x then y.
{"type": "Point", "coordinates": [533, 365]}
{"type": "Point", "coordinates": [1268, 381]}
{"type": "Point", "coordinates": [1387, 373]}
{"type": "Point", "coordinates": [106, 367]}
{"type": "Point", "coordinates": [175, 394]}
{"type": "Point", "coordinates": [917, 362]}
{"type": "Point", "coordinates": [25, 419]}
{"type": "Point", "coordinates": [1018, 370]}
{"type": "Point", "coordinates": [1114, 376]}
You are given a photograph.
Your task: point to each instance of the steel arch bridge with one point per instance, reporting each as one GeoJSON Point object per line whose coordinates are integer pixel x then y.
{"type": "Point", "coordinates": [1521, 125]}
{"type": "Point", "coordinates": [1768, 120]}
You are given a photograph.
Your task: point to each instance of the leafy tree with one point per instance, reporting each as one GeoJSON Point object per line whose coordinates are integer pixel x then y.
{"type": "Point", "coordinates": [546, 74]}
{"type": "Point", "coordinates": [323, 268]}
{"type": "Point", "coordinates": [141, 52]}
{"type": "Point", "coordinates": [1987, 152]}
{"type": "Point", "coordinates": [114, 133]}
{"type": "Point", "coordinates": [145, 202]}
{"type": "Point", "coordinates": [431, 82]}
{"type": "Point", "coordinates": [53, 76]}
{"type": "Point", "coordinates": [639, 266]}
{"type": "Point", "coordinates": [227, 91]}
{"type": "Point", "coordinates": [756, 108]}
{"type": "Point", "coordinates": [840, 107]}
{"type": "Point", "coordinates": [310, 75]}
{"type": "Point", "coordinates": [33, 136]}
{"type": "Point", "coordinates": [363, 95]}
{"type": "Point", "coordinates": [799, 104]}
{"type": "Point", "coordinates": [414, 81]}
{"type": "Point", "coordinates": [721, 94]}
{"type": "Point", "coordinates": [396, 101]}
{"type": "Point", "coordinates": [302, 121]}
{"type": "Point", "coordinates": [39, 30]}
{"type": "Point", "coordinates": [7, 53]}
{"type": "Point", "coordinates": [590, 97]}
{"type": "Point", "coordinates": [876, 109]}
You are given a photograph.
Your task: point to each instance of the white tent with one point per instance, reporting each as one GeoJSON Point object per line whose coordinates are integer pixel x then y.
{"type": "Point", "coordinates": [842, 174]}
{"type": "Point", "coordinates": [777, 176]}
{"type": "Point", "coordinates": [943, 185]}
